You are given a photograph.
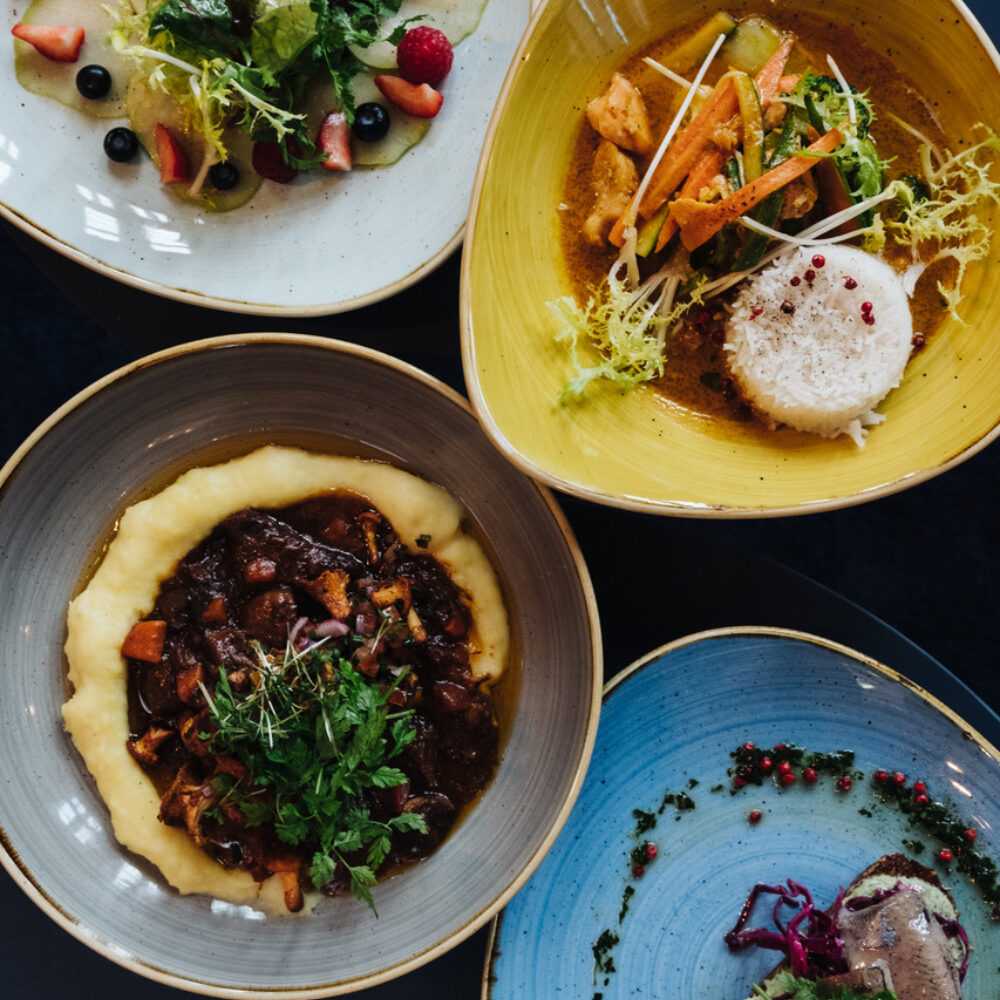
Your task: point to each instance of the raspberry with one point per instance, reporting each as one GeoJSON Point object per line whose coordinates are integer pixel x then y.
{"type": "Point", "coordinates": [270, 164]}
{"type": "Point", "coordinates": [424, 55]}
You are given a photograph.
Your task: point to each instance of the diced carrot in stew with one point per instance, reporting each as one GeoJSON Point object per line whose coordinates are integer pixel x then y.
{"type": "Point", "coordinates": [145, 641]}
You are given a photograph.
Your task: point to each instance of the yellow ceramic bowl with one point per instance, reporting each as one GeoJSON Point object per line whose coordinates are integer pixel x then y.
{"type": "Point", "coordinates": [640, 450]}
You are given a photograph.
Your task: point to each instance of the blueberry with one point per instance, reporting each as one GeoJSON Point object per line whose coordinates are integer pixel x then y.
{"type": "Point", "coordinates": [371, 121]}
{"type": "Point", "coordinates": [121, 144]}
{"type": "Point", "coordinates": [93, 82]}
{"type": "Point", "coordinates": [224, 176]}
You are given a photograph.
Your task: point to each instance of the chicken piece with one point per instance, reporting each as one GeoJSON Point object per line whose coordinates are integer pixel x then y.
{"type": "Point", "coordinates": [800, 196]}
{"type": "Point", "coordinates": [330, 589]}
{"type": "Point", "coordinates": [614, 179]}
{"type": "Point", "coordinates": [619, 115]}
{"type": "Point", "coordinates": [728, 135]}
{"type": "Point", "coordinates": [774, 115]}
{"type": "Point", "coordinates": [716, 189]}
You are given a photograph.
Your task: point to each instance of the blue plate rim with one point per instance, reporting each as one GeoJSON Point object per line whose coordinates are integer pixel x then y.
{"type": "Point", "coordinates": [773, 632]}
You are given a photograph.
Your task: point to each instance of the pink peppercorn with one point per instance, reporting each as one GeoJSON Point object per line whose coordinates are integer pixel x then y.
{"type": "Point", "coordinates": [899, 778]}
{"type": "Point", "coordinates": [651, 851]}
{"type": "Point", "coordinates": [810, 775]}
{"type": "Point", "coordinates": [971, 834]}
{"type": "Point", "coordinates": [766, 764]}
{"type": "Point", "coordinates": [819, 260]}
{"type": "Point", "coordinates": [844, 783]}
{"type": "Point", "coordinates": [944, 854]}
{"type": "Point", "coordinates": [810, 276]}
{"type": "Point", "coordinates": [881, 776]}
{"type": "Point", "coordinates": [919, 786]}
{"type": "Point", "coordinates": [638, 871]}
{"type": "Point", "coordinates": [850, 284]}
{"type": "Point", "coordinates": [795, 281]}
{"type": "Point", "coordinates": [784, 767]}
{"type": "Point", "coordinates": [787, 307]}
{"type": "Point", "coordinates": [756, 816]}
{"type": "Point", "coordinates": [788, 779]}
{"type": "Point", "coordinates": [922, 799]}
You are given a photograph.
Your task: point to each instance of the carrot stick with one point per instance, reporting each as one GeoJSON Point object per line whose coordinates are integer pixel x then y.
{"type": "Point", "coordinates": [768, 78]}
{"type": "Point", "coordinates": [788, 83]}
{"type": "Point", "coordinates": [708, 165]}
{"type": "Point", "coordinates": [145, 641]}
{"type": "Point", "coordinates": [718, 109]}
{"type": "Point", "coordinates": [720, 106]}
{"type": "Point", "coordinates": [700, 222]}
{"type": "Point", "coordinates": [691, 141]}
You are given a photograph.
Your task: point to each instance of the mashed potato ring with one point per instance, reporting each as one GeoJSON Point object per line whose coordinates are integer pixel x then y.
{"type": "Point", "coordinates": [153, 536]}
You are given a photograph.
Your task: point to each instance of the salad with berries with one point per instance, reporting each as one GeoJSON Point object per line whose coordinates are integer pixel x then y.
{"type": "Point", "coordinates": [225, 94]}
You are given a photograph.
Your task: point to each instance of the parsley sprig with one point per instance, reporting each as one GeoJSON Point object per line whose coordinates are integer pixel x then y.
{"type": "Point", "coordinates": [315, 734]}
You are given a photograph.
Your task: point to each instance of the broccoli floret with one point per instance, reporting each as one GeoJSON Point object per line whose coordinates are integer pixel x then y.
{"type": "Point", "coordinates": [920, 188]}
{"type": "Point", "coordinates": [827, 105]}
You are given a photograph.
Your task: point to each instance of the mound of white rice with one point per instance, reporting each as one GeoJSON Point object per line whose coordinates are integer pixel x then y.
{"type": "Point", "coordinates": [804, 349]}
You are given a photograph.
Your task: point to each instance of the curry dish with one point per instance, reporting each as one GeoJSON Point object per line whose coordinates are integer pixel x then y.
{"type": "Point", "coordinates": [801, 122]}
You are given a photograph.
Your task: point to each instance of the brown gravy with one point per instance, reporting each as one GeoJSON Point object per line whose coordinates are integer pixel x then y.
{"type": "Point", "coordinates": [260, 577]}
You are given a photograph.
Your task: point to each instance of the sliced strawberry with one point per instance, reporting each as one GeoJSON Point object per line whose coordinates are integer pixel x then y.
{"type": "Point", "coordinates": [421, 100]}
{"type": "Point", "coordinates": [335, 140]}
{"type": "Point", "coordinates": [173, 159]}
{"type": "Point", "coordinates": [60, 42]}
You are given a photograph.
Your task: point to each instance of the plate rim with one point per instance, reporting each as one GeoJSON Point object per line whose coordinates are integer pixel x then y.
{"type": "Point", "coordinates": [766, 631]}
{"type": "Point", "coordinates": [25, 879]}
{"type": "Point", "coordinates": [187, 297]}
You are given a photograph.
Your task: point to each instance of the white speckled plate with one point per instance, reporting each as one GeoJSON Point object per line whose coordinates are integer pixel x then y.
{"type": "Point", "coordinates": [130, 434]}
{"type": "Point", "coordinates": [321, 245]}
{"type": "Point", "coordinates": [675, 716]}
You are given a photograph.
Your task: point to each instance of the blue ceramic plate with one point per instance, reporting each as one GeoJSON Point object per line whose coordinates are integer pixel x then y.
{"type": "Point", "coordinates": [674, 718]}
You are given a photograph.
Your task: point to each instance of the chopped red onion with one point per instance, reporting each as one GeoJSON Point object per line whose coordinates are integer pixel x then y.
{"type": "Point", "coordinates": [330, 629]}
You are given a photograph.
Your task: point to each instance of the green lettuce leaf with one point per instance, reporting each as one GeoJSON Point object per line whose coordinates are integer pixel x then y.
{"type": "Point", "coordinates": [280, 33]}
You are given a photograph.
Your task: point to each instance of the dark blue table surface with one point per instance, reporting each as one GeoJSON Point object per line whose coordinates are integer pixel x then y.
{"type": "Point", "coordinates": [922, 564]}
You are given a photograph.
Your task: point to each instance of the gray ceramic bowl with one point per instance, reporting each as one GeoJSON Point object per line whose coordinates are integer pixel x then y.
{"type": "Point", "coordinates": [126, 436]}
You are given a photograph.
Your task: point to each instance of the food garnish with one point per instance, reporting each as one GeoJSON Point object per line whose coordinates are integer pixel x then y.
{"type": "Point", "coordinates": [424, 55]}
{"type": "Point", "coordinates": [774, 158]}
{"type": "Point", "coordinates": [314, 734]}
{"type": "Point", "coordinates": [59, 42]}
{"type": "Point", "coordinates": [224, 78]}
{"type": "Point", "coordinates": [893, 933]}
